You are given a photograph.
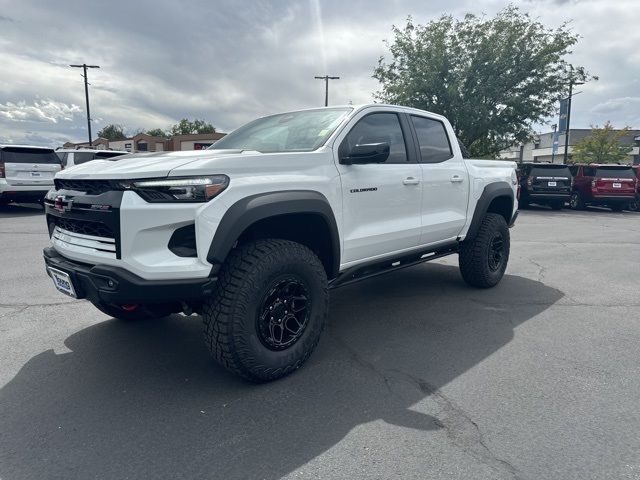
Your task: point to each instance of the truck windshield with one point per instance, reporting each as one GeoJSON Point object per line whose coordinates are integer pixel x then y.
{"type": "Point", "coordinates": [302, 131]}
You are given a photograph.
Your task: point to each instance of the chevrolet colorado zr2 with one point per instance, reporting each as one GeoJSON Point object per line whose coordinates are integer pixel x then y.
{"type": "Point", "coordinates": [254, 232]}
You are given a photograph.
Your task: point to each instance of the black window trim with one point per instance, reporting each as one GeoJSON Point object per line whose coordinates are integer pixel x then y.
{"type": "Point", "coordinates": [415, 135]}
{"type": "Point", "coordinates": [411, 154]}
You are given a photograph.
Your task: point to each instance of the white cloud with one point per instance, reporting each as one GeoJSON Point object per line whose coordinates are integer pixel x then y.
{"type": "Point", "coordinates": [38, 111]}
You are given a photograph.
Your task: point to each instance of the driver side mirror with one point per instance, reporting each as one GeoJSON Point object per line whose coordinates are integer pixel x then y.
{"type": "Point", "coordinates": [366, 153]}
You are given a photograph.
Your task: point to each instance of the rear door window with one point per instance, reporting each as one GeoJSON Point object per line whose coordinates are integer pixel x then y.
{"type": "Point", "coordinates": [551, 171]}
{"type": "Point", "coordinates": [615, 172]}
{"type": "Point", "coordinates": [29, 155]}
{"type": "Point", "coordinates": [432, 139]}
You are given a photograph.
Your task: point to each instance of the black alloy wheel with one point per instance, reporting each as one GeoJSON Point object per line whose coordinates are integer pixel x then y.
{"type": "Point", "coordinates": [496, 252]}
{"type": "Point", "coordinates": [284, 314]}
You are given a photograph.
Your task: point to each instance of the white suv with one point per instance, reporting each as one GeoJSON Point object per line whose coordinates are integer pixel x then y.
{"type": "Point", "coordinates": [72, 156]}
{"type": "Point", "coordinates": [26, 172]}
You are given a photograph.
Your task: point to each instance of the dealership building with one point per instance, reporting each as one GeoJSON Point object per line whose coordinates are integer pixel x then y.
{"type": "Point", "coordinates": [540, 149]}
{"type": "Point", "coordinates": [148, 143]}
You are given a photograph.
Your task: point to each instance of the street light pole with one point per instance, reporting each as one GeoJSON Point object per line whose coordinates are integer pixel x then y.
{"type": "Point", "coordinates": [326, 79]}
{"type": "Point", "coordinates": [84, 67]}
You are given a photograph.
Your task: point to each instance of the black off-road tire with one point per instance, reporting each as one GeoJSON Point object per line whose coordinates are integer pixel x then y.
{"type": "Point", "coordinates": [478, 260]}
{"type": "Point", "coordinates": [576, 202]}
{"type": "Point", "coordinates": [143, 312]}
{"type": "Point", "coordinates": [236, 318]}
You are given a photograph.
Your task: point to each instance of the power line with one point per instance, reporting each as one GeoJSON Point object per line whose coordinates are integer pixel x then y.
{"type": "Point", "coordinates": [84, 67]}
{"type": "Point", "coordinates": [326, 79]}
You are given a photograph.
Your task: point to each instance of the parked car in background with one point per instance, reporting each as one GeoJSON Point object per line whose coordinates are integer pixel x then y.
{"type": "Point", "coordinates": [70, 156]}
{"type": "Point", "coordinates": [635, 205]}
{"type": "Point", "coordinates": [26, 172]}
{"type": "Point", "coordinates": [544, 184]}
{"type": "Point", "coordinates": [612, 186]}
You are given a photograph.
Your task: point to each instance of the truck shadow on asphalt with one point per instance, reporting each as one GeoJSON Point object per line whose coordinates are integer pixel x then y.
{"type": "Point", "coordinates": [144, 400]}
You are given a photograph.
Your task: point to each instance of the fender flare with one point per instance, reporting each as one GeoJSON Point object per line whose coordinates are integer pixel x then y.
{"type": "Point", "coordinates": [249, 210]}
{"type": "Point", "coordinates": [490, 193]}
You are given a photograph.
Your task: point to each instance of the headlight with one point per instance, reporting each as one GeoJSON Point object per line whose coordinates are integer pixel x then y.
{"type": "Point", "coordinates": [179, 189]}
{"type": "Point", "coordinates": [51, 194]}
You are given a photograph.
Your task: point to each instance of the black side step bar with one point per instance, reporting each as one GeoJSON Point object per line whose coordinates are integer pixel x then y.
{"type": "Point", "coordinates": [361, 272]}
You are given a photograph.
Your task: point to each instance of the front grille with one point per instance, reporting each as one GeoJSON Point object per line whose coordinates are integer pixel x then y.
{"type": "Point", "coordinates": [84, 227]}
{"type": "Point", "coordinates": [91, 187]}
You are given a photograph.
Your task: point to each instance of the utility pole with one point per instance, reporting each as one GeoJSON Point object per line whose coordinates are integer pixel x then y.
{"type": "Point", "coordinates": [84, 66]}
{"type": "Point", "coordinates": [553, 142]}
{"type": "Point", "coordinates": [566, 136]}
{"type": "Point", "coordinates": [326, 79]}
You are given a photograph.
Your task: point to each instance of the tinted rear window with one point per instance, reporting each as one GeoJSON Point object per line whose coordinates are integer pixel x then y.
{"type": "Point", "coordinates": [109, 154]}
{"type": "Point", "coordinates": [28, 155]}
{"type": "Point", "coordinates": [615, 172]}
{"type": "Point", "coordinates": [551, 171]}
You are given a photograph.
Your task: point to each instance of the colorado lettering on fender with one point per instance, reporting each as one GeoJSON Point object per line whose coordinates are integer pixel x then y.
{"type": "Point", "coordinates": [358, 190]}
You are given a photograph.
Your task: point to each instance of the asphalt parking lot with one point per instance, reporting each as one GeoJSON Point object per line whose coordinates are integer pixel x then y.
{"type": "Point", "coordinates": [417, 376]}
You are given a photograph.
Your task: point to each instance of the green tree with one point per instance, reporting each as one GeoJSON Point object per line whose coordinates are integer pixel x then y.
{"type": "Point", "coordinates": [602, 146]}
{"type": "Point", "coordinates": [185, 127]}
{"type": "Point", "coordinates": [112, 132]}
{"type": "Point", "coordinates": [156, 132]}
{"type": "Point", "coordinates": [493, 78]}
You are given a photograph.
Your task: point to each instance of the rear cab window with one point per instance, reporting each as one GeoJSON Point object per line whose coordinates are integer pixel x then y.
{"type": "Point", "coordinates": [29, 155]}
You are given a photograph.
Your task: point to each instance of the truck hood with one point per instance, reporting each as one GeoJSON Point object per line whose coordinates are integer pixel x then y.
{"type": "Point", "coordinates": [144, 165]}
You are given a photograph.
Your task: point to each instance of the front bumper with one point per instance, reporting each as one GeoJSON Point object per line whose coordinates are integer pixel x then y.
{"type": "Point", "coordinates": [114, 285]}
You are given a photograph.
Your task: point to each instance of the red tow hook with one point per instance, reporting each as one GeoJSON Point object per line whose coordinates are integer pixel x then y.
{"type": "Point", "coordinates": [129, 307]}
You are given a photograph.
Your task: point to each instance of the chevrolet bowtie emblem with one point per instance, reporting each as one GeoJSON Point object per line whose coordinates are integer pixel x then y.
{"type": "Point", "coordinates": [62, 204]}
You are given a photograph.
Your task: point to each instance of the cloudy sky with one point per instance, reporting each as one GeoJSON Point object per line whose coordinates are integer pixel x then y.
{"type": "Point", "coordinates": [228, 61]}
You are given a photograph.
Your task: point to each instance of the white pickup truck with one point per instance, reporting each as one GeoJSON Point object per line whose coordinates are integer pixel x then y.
{"type": "Point", "coordinates": [253, 232]}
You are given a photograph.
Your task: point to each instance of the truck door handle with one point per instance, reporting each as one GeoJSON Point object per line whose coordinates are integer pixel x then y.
{"type": "Point", "coordinates": [456, 179]}
{"type": "Point", "coordinates": [410, 181]}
